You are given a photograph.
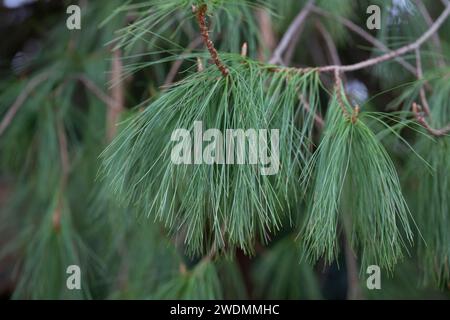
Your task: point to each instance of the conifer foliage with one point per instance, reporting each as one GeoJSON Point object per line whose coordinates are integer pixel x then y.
{"type": "Point", "coordinates": [211, 149]}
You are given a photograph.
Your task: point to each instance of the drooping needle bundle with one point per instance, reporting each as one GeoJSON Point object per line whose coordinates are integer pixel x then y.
{"type": "Point", "coordinates": [356, 187]}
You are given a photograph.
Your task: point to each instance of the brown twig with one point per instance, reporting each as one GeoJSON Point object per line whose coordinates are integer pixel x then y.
{"type": "Point", "coordinates": [334, 57]}
{"type": "Point", "coordinates": [29, 88]}
{"type": "Point", "coordinates": [373, 61]}
{"type": "Point", "coordinates": [338, 88]}
{"type": "Point", "coordinates": [423, 111]}
{"type": "Point", "coordinates": [355, 114]}
{"type": "Point", "coordinates": [365, 35]}
{"type": "Point", "coordinates": [417, 110]}
{"type": "Point", "coordinates": [395, 53]}
{"type": "Point", "coordinates": [385, 57]}
{"type": "Point", "coordinates": [291, 33]}
{"type": "Point", "coordinates": [201, 19]}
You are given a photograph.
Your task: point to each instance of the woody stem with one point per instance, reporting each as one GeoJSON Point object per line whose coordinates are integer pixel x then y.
{"type": "Point", "coordinates": [201, 19]}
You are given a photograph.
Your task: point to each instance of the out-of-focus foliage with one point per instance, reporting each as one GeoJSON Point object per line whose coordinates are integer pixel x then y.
{"type": "Point", "coordinates": [146, 229]}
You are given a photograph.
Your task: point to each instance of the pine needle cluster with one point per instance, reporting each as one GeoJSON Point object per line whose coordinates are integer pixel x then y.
{"type": "Point", "coordinates": [356, 187]}
{"type": "Point", "coordinates": [221, 204]}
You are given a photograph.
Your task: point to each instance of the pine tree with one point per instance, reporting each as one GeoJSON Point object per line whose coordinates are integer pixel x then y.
{"type": "Point", "coordinates": [353, 122]}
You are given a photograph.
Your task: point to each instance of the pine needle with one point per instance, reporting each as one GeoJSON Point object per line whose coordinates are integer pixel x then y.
{"type": "Point", "coordinates": [221, 204]}
{"type": "Point", "coordinates": [355, 183]}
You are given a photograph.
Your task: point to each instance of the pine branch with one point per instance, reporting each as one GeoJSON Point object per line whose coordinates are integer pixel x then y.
{"type": "Point", "coordinates": [286, 41]}
{"type": "Point", "coordinates": [290, 33]}
{"type": "Point", "coordinates": [385, 57]}
{"type": "Point", "coordinates": [363, 34]}
{"type": "Point", "coordinates": [417, 109]}
{"type": "Point", "coordinates": [201, 19]}
{"type": "Point", "coordinates": [137, 162]}
{"type": "Point", "coordinates": [393, 54]}
{"type": "Point", "coordinates": [334, 56]}
{"type": "Point", "coordinates": [338, 90]}
{"type": "Point", "coordinates": [421, 119]}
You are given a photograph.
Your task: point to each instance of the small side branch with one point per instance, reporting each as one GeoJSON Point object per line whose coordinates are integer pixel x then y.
{"type": "Point", "coordinates": [423, 111]}
{"type": "Point", "coordinates": [290, 33]}
{"type": "Point", "coordinates": [334, 57]}
{"type": "Point", "coordinates": [417, 109]}
{"type": "Point", "coordinates": [395, 53]}
{"type": "Point", "coordinates": [363, 34]}
{"type": "Point", "coordinates": [338, 89]}
{"type": "Point", "coordinates": [201, 19]}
